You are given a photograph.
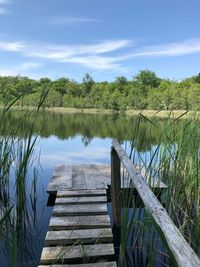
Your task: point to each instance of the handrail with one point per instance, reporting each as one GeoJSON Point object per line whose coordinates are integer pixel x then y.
{"type": "Point", "coordinates": [181, 250]}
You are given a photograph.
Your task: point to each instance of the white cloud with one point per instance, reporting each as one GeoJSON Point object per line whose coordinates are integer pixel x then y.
{"type": "Point", "coordinates": [99, 56]}
{"type": "Point", "coordinates": [106, 47]}
{"type": "Point", "coordinates": [186, 47]}
{"type": "Point", "coordinates": [71, 20]}
{"type": "Point", "coordinates": [87, 55]}
{"type": "Point", "coordinates": [94, 62]}
{"type": "Point", "coordinates": [61, 52]}
{"type": "Point", "coordinates": [11, 46]}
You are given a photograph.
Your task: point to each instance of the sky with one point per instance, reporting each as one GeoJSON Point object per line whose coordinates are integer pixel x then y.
{"type": "Point", "coordinates": [106, 38]}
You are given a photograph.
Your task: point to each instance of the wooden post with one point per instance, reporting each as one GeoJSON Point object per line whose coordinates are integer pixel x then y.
{"type": "Point", "coordinates": [115, 187]}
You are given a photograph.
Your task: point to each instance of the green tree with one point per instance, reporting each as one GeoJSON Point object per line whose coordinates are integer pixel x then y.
{"type": "Point", "coordinates": [60, 86]}
{"type": "Point", "coordinates": [147, 78]}
{"type": "Point", "coordinates": [121, 82]}
{"type": "Point", "coordinates": [88, 82]}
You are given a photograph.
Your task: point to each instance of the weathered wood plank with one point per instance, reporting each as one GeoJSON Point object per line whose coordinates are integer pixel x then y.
{"type": "Point", "coordinates": [66, 178]}
{"type": "Point", "coordinates": [64, 254]}
{"type": "Point", "coordinates": [53, 185]}
{"type": "Point", "coordinates": [78, 236]}
{"type": "Point", "coordinates": [95, 264]}
{"type": "Point", "coordinates": [101, 181]}
{"type": "Point", "coordinates": [87, 209]}
{"type": "Point", "coordinates": [80, 200]}
{"type": "Point", "coordinates": [181, 250]}
{"type": "Point", "coordinates": [62, 179]}
{"type": "Point", "coordinates": [89, 179]}
{"type": "Point", "coordinates": [78, 178]}
{"type": "Point", "coordinates": [101, 175]}
{"type": "Point", "coordinates": [77, 193]}
{"type": "Point", "coordinates": [79, 222]}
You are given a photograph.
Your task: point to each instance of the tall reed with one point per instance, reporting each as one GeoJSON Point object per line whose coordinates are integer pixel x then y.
{"type": "Point", "coordinates": [17, 164]}
{"type": "Point", "coordinates": [175, 160]}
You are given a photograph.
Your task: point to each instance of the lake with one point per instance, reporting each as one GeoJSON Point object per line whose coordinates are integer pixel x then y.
{"type": "Point", "coordinates": [65, 139]}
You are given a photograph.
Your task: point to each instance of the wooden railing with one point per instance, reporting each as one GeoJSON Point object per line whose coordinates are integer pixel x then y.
{"type": "Point", "coordinates": [181, 250]}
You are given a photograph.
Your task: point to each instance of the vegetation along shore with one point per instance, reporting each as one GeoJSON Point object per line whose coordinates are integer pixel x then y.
{"type": "Point", "coordinates": [144, 91]}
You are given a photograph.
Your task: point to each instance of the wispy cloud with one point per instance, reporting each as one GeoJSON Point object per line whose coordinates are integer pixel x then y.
{"type": "Point", "coordinates": [61, 52]}
{"type": "Point", "coordinates": [186, 47]}
{"type": "Point", "coordinates": [12, 46]}
{"type": "Point", "coordinates": [99, 56]}
{"type": "Point", "coordinates": [95, 62]}
{"type": "Point", "coordinates": [91, 56]}
{"type": "Point", "coordinates": [71, 20]}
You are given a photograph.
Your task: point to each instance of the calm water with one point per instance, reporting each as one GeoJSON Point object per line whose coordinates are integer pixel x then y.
{"type": "Point", "coordinates": [65, 139]}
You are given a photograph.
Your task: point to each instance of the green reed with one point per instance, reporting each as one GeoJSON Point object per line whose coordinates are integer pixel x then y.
{"type": "Point", "coordinates": [18, 163]}
{"type": "Point", "coordinates": [175, 160]}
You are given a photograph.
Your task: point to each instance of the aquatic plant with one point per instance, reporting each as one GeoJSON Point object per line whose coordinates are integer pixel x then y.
{"type": "Point", "coordinates": [18, 205]}
{"type": "Point", "coordinates": [175, 161]}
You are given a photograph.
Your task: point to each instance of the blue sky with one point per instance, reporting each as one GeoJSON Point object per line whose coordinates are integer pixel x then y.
{"type": "Point", "coordinates": [107, 38]}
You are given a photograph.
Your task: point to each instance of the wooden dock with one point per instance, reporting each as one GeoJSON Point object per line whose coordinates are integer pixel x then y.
{"type": "Point", "coordinates": [79, 231]}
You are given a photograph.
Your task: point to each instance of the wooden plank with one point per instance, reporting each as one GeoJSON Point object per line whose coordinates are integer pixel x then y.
{"type": "Point", "coordinates": [181, 250]}
{"type": "Point", "coordinates": [62, 179]}
{"type": "Point", "coordinates": [101, 175]}
{"type": "Point", "coordinates": [102, 169]}
{"type": "Point", "coordinates": [87, 209]}
{"type": "Point", "coordinates": [89, 179]}
{"type": "Point", "coordinates": [101, 182]}
{"type": "Point", "coordinates": [79, 222]}
{"type": "Point", "coordinates": [99, 169]}
{"type": "Point", "coordinates": [80, 200]}
{"type": "Point", "coordinates": [53, 185]}
{"type": "Point", "coordinates": [66, 178]}
{"type": "Point", "coordinates": [64, 254]}
{"type": "Point", "coordinates": [94, 264]}
{"type": "Point", "coordinates": [78, 178]}
{"type": "Point", "coordinates": [76, 193]}
{"type": "Point", "coordinates": [78, 236]}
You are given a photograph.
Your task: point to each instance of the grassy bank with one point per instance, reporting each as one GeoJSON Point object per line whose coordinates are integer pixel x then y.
{"type": "Point", "coordinates": [146, 113]}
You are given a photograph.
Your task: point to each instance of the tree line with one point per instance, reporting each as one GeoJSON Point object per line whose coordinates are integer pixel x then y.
{"type": "Point", "coordinates": [145, 91]}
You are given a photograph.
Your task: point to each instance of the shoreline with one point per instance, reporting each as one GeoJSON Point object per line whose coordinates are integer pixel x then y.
{"type": "Point", "coordinates": [148, 113]}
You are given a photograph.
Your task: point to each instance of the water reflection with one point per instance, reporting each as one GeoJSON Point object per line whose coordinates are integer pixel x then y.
{"type": "Point", "coordinates": [66, 126]}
